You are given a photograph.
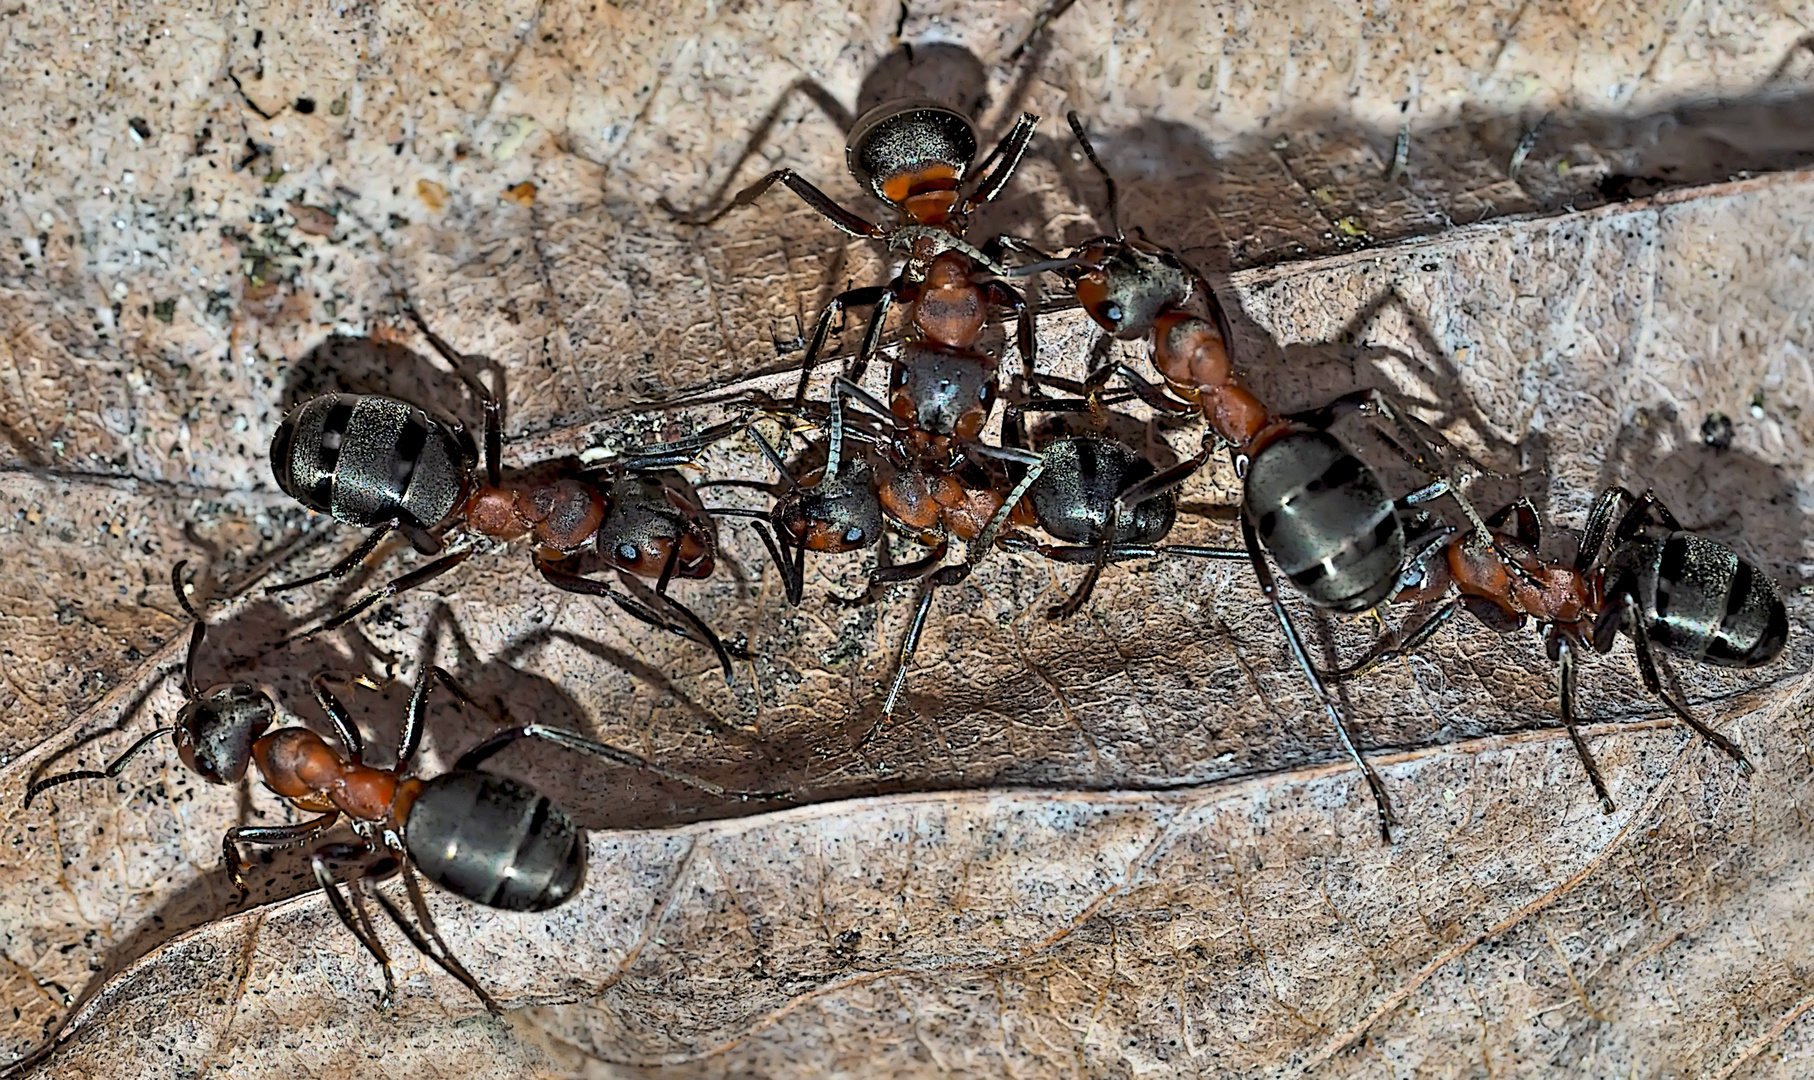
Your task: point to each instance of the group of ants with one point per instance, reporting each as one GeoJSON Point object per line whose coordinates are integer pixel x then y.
{"type": "Point", "coordinates": [917, 465]}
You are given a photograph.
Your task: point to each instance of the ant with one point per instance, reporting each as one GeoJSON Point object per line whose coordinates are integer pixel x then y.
{"type": "Point", "coordinates": [916, 156]}
{"type": "Point", "coordinates": [482, 836]}
{"type": "Point", "coordinates": [377, 463]}
{"type": "Point", "coordinates": [1319, 511]}
{"type": "Point", "coordinates": [854, 499]}
{"type": "Point", "coordinates": [1666, 588]}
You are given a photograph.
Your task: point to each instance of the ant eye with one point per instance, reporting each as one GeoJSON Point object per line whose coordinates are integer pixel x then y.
{"type": "Point", "coordinates": [628, 552]}
{"type": "Point", "coordinates": [853, 535]}
{"type": "Point", "coordinates": [1112, 313]}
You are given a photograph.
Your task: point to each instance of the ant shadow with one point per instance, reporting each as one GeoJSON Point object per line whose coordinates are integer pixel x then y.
{"type": "Point", "coordinates": [370, 365]}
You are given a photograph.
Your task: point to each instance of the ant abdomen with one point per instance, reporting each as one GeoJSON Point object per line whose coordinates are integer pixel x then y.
{"type": "Point", "coordinates": [1323, 516]}
{"type": "Point", "coordinates": [367, 459]}
{"type": "Point", "coordinates": [495, 841]}
{"type": "Point", "coordinates": [913, 154]}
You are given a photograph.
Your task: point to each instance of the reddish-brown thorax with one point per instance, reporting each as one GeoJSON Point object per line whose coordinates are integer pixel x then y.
{"type": "Point", "coordinates": [1192, 356]}
{"type": "Point", "coordinates": [561, 516]}
{"type": "Point", "coordinates": [300, 766]}
{"type": "Point", "coordinates": [950, 309]}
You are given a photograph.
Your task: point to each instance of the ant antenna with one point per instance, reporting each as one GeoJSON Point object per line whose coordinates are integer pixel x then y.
{"type": "Point", "coordinates": [1089, 151]}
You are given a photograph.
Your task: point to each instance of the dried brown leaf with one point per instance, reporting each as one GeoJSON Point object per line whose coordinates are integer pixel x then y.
{"type": "Point", "coordinates": [1116, 846]}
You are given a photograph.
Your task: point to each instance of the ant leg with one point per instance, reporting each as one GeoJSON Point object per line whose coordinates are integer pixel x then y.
{"type": "Point", "coordinates": [1563, 652]}
{"type": "Point", "coordinates": [1647, 510]}
{"type": "Point", "coordinates": [1154, 396]}
{"type": "Point", "coordinates": [575, 583]}
{"type": "Point", "coordinates": [1527, 527]}
{"type": "Point", "coordinates": [359, 926]}
{"type": "Point", "coordinates": [1074, 603]}
{"type": "Point", "coordinates": [1036, 464]}
{"type": "Point", "coordinates": [410, 740]}
{"type": "Point", "coordinates": [1009, 297]}
{"type": "Point", "coordinates": [1005, 242]}
{"type": "Point", "coordinates": [872, 335]}
{"type": "Point", "coordinates": [793, 579]}
{"type": "Point", "coordinates": [1006, 156]}
{"type": "Point", "coordinates": [403, 584]}
{"type": "Point", "coordinates": [1647, 667]}
{"type": "Point", "coordinates": [918, 568]}
{"type": "Point", "coordinates": [343, 722]}
{"type": "Point", "coordinates": [699, 624]}
{"type": "Point", "coordinates": [1385, 650]}
{"type": "Point", "coordinates": [195, 635]}
{"type": "Point", "coordinates": [949, 575]}
{"type": "Point", "coordinates": [269, 836]}
{"type": "Point", "coordinates": [113, 769]}
{"type": "Point", "coordinates": [865, 297]}
{"type": "Point", "coordinates": [1269, 588]}
{"type": "Point", "coordinates": [1166, 480]}
{"type": "Point", "coordinates": [344, 566]}
{"type": "Point", "coordinates": [841, 219]}
{"type": "Point", "coordinates": [573, 740]}
{"type": "Point", "coordinates": [427, 940]}
{"type": "Point", "coordinates": [1599, 524]}
{"type": "Point", "coordinates": [844, 389]}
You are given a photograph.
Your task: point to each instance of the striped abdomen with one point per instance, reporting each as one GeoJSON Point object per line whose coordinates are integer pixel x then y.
{"type": "Point", "coordinates": [1325, 519]}
{"type": "Point", "coordinates": [366, 459]}
{"type": "Point", "coordinates": [495, 841]}
{"type": "Point", "coordinates": [1701, 601]}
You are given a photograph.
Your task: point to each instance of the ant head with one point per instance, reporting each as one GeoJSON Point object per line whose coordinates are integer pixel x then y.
{"type": "Point", "coordinates": [943, 392]}
{"type": "Point", "coordinates": [913, 155]}
{"type": "Point", "coordinates": [839, 513]}
{"type": "Point", "coordinates": [1126, 289]}
{"type": "Point", "coordinates": [215, 730]}
{"type": "Point", "coordinates": [648, 521]}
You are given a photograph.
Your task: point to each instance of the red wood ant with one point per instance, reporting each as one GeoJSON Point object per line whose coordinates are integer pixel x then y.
{"type": "Point", "coordinates": [485, 837]}
{"type": "Point", "coordinates": [1308, 501]}
{"type": "Point", "coordinates": [377, 463]}
{"type": "Point", "coordinates": [1668, 589]}
{"type": "Point", "coordinates": [916, 156]}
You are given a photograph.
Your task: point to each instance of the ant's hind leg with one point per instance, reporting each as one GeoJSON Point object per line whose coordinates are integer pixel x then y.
{"type": "Point", "coordinates": [1647, 667]}
{"type": "Point", "coordinates": [355, 921]}
{"type": "Point", "coordinates": [403, 584]}
{"type": "Point", "coordinates": [344, 566]}
{"type": "Point", "coordinates": [427, 939]}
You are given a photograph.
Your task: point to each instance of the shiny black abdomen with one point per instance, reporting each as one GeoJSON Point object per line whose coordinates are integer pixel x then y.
{"type": "Point", "coordinates": [1075, 494]}
{"type": "Point", "coordinates": [1325, 519]}
{"type": "Point", "coordinates": [1700, 600]}
{"type": "Point", "coordinates": [366, 459]}
{"type": "Point", "coordinates": [495, 841]}
{"type": "Point", "coordinates": [902, 137]}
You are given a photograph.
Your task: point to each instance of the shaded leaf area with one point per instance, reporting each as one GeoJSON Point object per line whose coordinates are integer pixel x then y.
{"type": "Point", "coordinates": [1248, 929]}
